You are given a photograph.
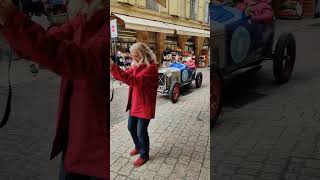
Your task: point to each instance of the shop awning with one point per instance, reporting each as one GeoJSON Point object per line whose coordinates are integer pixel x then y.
{"type": "Point", "coordinates": [157, 26]}
{"type": "Point", "coordinates": [144, 24]}
{"type": "Point", "coordinates": [182, 30]}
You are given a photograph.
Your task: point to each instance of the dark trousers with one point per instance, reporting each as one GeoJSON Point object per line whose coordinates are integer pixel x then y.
{"type": "Point", "coordinates": [138, 128]}
{"type": "Point", "coordinates": [73, 176]}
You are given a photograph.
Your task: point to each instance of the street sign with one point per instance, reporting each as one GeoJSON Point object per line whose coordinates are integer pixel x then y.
{"type": "Point", "coordinates": [113, 28]}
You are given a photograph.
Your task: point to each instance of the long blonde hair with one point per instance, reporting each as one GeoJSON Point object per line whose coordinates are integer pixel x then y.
{"type": "Point", "coordinates": [84, 7]}
{"type": "Point", "coordinates": [148, 57]}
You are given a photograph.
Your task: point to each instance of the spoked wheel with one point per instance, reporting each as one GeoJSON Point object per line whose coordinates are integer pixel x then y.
{"type": "Point", "coordinates": [174, 92]}
{"type": "Point", "coordinates": [198, 79]}
{"type": "Point", "coordinates": [215, 97]}
{"type": "Point", "coordinates": [284, 58]}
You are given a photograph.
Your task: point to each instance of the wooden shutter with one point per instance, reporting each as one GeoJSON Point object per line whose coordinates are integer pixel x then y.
{"type": "Point", "coordinates": [187, 9]}
{"type": "Point", "coordinates": [174, 7]}
{"type": "Point", "coordinates": [200, 10]}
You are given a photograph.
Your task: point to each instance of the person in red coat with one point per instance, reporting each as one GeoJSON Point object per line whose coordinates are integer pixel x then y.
{"type": "Point", "coordinates": [76, 51]}
{"type": "Point", "coordinates": [259, 10]}
{"type": "Point", "coordinates": [143, 82]}
{"type": "Point", "coordinates": [190, 63]}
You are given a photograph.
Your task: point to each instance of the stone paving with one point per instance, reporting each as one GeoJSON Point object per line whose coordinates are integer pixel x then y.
{"type": "Point", "coordinates": [276, 137]}
{"type": "Point", "coordinates": [179, 139]}
{"type": "Point", "coordinates": [25, 142]}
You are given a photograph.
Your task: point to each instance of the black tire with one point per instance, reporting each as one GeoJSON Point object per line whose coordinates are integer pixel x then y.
{"type": "Point", "coordinates": [198, 79]}
{"type": "Point", "coordinates": [174, 92]}
{"type": "Point", "coordinates": [284, 58]}
{"type": "Point", "coordinates": [216, 84]}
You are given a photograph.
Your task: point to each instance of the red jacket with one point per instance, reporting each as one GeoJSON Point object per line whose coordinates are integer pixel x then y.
{"type": "Point", "coordinates": [262, 11]}
{"type": "Point", "coordinates": [77, 52]}
{"type": "Point", "coordinates": [191, 64]}
{"type": "Point", "coordinates": [143, 82]}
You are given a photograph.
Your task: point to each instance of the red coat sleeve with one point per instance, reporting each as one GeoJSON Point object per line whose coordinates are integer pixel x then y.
{"type": "Point", "coordinates": [149, 77]}
{"type": "Point", "coordinates": [129, 71]}
{"type": "Point", "coordinates": [63, 32]}
{"type": "Point", "coordinates": [55, 51]}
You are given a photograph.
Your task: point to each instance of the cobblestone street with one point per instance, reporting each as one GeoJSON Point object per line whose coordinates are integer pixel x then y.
{"type": "Point", "coordinates": [26, 140]}
{"type": "Point", "coordinates": [272, 132]}
{"type": "Point", "coordinates": [179, 138]}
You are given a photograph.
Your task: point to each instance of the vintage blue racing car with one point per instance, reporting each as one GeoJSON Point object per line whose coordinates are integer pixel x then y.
{"type": "Point", "coordinates": [176, 75]}
{"type": "Point", "coordinates": [238, 43]}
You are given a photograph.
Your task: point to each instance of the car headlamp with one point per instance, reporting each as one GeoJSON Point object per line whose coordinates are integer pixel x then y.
{"type": "Point", "coordinates": [169, 73]}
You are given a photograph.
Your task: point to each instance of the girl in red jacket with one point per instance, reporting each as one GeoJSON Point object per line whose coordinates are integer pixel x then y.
{"type": "Point", "coordinates": [143, 83]}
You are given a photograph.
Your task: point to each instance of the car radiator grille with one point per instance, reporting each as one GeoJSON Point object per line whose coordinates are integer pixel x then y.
{"type": "Point", "coordinates": [162, 79]}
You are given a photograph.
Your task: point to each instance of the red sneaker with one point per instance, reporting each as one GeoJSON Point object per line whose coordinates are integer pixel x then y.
{"type": "Point", "coordinates": [139, 162]}
{"type": "Point", "coordinates": [134, 152]}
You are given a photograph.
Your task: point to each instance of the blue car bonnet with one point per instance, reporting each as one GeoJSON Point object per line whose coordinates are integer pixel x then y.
{"type": "Point", "coordinates": [225, 14]}
{"type": "Point", "coordinates": [178, 66]}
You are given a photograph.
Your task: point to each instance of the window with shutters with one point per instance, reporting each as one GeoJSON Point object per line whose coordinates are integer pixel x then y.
{"type": "Point", "coordinates": [193, 9]}
{"type": "Point", "coordinates": [152, 5]}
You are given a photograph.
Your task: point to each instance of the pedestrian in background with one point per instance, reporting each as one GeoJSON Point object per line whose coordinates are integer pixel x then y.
{"type": "Point", "coordinates": [117, 57]}
{"type": "Point", "coordinates": [142, 79]}
{"type": "Point", "coordinates": [76, 51]}
{"type": "Point", "coordinates": [177, 59]}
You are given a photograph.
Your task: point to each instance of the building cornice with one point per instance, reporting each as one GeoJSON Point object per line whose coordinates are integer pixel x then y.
{"type": "Point", "coordinates": [130, 10]}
